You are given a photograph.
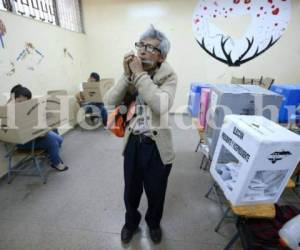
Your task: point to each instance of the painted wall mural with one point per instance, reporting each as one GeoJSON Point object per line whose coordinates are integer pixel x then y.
{"type": "Point", "coordinates": [30, 56]}
{"type": "Point", "coordinates": [268, 19]}
{"type": "Point", "coordinates": [6, 66]}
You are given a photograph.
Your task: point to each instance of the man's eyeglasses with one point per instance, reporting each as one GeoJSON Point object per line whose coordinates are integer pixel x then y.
{"type": "Point", "coordinates": [147, 47]}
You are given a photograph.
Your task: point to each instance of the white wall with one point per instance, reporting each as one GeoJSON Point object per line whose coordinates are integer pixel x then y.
{"type": "Point", "coordinates": [112, 27]}
{"type": "Point", "coordinates": [56, 71]}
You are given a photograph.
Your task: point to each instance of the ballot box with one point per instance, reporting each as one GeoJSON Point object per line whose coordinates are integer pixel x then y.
{"type": "Point", "coordinates": [291, 100]}
{"type": "Point", "coordinates": [264, 155]}
{"type": "Point", "coordinates": [237, 99]}
{"type": "Point", "coordinates": [24, 121]}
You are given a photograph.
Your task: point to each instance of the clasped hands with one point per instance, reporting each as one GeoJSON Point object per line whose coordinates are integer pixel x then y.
{"type": "Point", "coordinates": [132, 65]}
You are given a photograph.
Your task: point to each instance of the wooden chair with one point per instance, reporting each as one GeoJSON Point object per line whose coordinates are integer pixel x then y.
{"type": "Point", "coordinates": [264, 82]}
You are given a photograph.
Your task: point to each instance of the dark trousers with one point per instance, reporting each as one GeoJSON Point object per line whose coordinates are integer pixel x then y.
{"type": "Point", "coordinates": [99, 106]}
{"type": "Point", "coordinates": [143, 169]}
{"type": "Point", "coordinates": [51, 143]}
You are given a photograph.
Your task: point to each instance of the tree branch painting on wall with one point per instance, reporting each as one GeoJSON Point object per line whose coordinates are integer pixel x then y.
{"type": "Point", "coordinates": [215, 21]}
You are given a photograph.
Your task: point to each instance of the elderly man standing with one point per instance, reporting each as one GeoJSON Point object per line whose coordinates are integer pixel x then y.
{"type": "Point", "coordinates": [148, 150]}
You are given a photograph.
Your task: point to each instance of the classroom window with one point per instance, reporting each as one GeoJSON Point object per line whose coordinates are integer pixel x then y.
{"type": "Point", "coordinates": [69, 15]}
{"type": "Point", "coordinates": [5, 5]}
{"type": "Point", "coordinates": [36, 9]}
{"type": "Point", "coordinates": [63, 13]}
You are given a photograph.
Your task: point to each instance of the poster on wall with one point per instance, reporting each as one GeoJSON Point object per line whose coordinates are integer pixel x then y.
{"type": "Point", "coordinates": [237, 31]}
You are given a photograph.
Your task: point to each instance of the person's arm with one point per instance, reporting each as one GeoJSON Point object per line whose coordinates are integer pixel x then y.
{"type": "Point", "coordinates": [116, 94]}
{"type": "Point", "coordinates": [159, 99]}
{"type": "Point", "coordinates": [79, 97]}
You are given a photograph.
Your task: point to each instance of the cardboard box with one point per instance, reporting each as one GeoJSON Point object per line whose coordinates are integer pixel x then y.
{"type": "Point", "coordinates": [57, 92]}
{"type": "Point", "coordinates": [22, 122]}
{"type": "Point", "coordinates": [25, 114]}
{"type": "Point", "coordinates": [73, 111]}
{"type": "Point", "coordinates": [73, 120]}
{"type": "Point", "coordinates": [57, 111]}
{"type": "Point", "coordinates": [105, 85]}
{"type": "Point", "coordinates": [264, 156]}
{"type": "Point", "coordinates": [95, 91]}
{"type": "Point", "coordinates": [237, 99]}
{"type": "Point", "coordinates": [21, 136]}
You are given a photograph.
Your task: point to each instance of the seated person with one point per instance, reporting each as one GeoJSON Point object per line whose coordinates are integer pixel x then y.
{"type": "Point", "coordinates": [51, 142]}
{"type": "Point", "coordinates": [94, 77]}
{"type": "Point", "coordinates": [12, 92]}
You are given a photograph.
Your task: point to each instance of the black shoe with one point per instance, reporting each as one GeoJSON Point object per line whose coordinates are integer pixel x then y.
{"type": "Point", "coordinates": [127, 234]}
{"type": "Point", "coordinates": [60, 167]}
{"type": "Point", "coordinates": [155, 234]}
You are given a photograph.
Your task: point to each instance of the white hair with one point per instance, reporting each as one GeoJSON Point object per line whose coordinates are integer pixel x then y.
{"type": "Point", "coordinates": [164, 45]}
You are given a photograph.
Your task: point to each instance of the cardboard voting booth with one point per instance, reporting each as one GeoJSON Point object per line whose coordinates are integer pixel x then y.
{"type": "Point", "coordinates": [95, 91]}
{"type": "Point", "coordinates": [57, 92]}
{"type": "Point", "coordinates": [22, 122]}
{"type": "Point", "coordinates": [237, 99]}
{"type": "Point", "coordinates": [264, 156]}
{"type": "Point", "coordinates": [61, 109]}
{"type": "Point", "coordinates": [57, 110]}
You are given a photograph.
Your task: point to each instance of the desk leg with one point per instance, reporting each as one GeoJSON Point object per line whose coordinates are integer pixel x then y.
{"type": "Point", "coordinates": [36, 162]}
{"type": "Point", "coordinates": [39, 170]}
{"type": "Point", "coordinates": [222, 219]}
{"type": "Point", "coordinates": [202, 161]}
{"type": "Point", "coordinates": [207, 163]}
{"type": "Point", "coordinates": [208, 192]}
{"type": "Point", "coordinates": [232, 241]}
{"type": "Point", "coordinates": [213, 189]}
{"type": "Point", "coordinates": [9, 170]}
{"type": "Point", "coordinates": [196, 150]}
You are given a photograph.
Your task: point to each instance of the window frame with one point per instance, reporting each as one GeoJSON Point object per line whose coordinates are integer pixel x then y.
{"type": "Point", "coordinates": [39, 5]}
